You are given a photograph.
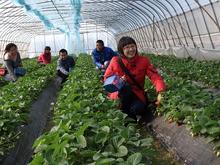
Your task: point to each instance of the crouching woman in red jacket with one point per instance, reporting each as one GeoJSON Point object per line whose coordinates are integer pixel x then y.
{"type": "Point", "coordinates": [132, 95]}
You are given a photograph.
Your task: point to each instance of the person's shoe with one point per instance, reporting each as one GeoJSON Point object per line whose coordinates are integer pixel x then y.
{"type": "Point", "coordinates": [148, 117]}
{"type": "Point", "coordinates": [141, 121]}
{"type": "Point", "coordinates": [149, 127]}
{"type": "Point", "coordinates": [138, 118]}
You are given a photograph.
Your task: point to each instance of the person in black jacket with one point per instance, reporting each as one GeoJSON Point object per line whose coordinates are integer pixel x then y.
{"type": "Point", "coordinates": [65, 64]}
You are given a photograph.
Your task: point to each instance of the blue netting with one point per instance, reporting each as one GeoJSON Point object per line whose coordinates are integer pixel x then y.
{"type": "Point", "coordinates": [34, 11]}
{"type": "Point", "coordinates": [54, 16]}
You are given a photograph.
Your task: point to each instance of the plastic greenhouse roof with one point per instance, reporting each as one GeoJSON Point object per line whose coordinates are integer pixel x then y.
{"type": "Point", "coordinates": [116, 16]}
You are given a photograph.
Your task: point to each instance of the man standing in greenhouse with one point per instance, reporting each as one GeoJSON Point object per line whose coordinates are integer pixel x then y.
{"type": "Point", "coordinates": [102, 55]}
{"type": "Point", "coordinates": [65, 64]}
{"type": "Point", "coordinates": [45, 57]}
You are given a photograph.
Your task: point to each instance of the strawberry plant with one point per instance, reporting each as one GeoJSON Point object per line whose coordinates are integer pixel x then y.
{"type": "Point", "coordinates": [189, 103]}
{"type": "Point", "coordinates": [15, 100]}
{"type": "Point", "coordinates": [207, 72]}
{"type": "Point", "coordinates": [88, 127]}
{"type": "Point", "coordinates": [29, 64]}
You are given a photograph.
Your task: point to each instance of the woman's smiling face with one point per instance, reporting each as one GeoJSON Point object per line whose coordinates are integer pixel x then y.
{"type": "Point", "coordinates": [13, 51]}
{"type": "Point", "coordinates": [130, 50]}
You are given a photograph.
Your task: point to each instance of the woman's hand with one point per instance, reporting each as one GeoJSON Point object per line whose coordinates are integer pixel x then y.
{"type": "Point", "coordinates": [160, 98]}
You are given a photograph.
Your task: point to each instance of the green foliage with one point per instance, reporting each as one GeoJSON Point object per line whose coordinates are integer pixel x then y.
{"type": "Point", "coordinates": [16, 98]}
{"type": "Point", "coordinates": [29, 64]}
{"type": "Point", "coordinates": [207, 72]}
{"type": "Point", "coordinates": [89, 129]}
{"type": "Point", "coordinates": [186, 102]}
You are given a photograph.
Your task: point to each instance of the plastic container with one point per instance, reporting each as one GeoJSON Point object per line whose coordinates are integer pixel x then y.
{"type": "Point", "coordinates": [113, 83]}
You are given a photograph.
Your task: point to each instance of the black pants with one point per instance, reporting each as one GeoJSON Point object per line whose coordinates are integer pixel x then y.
{"type": "Point", "coordinates": [63, 76]}
{"type": "Point", "coordinates": [133, 106]}
{"type": "Point", "coordinates": [130, 103]}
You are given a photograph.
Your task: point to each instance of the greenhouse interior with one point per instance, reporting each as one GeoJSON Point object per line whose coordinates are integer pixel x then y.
{"type": "Point", "coordinates": [110, 82]}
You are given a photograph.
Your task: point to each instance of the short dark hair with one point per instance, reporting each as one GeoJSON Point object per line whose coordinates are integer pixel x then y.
{"type": "Point", "coordinates": [123, 42]}
{"type": "Point", "coordinates": [47, 48]}
{"type": "Point", "coordinates": [9, 46]}
{"type": "Point", "coordinates": [63, 51]}
{"type": "Point", "coordinates": [100, 41]}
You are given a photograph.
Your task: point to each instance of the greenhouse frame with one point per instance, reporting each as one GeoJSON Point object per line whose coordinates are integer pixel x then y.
{"type": "Point", "coordinates": [55, 117]}
{"type": "Point", "coordinates": [158, 26]}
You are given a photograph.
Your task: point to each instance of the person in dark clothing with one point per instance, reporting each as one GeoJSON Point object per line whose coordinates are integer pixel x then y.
{"type": "Point", "coordinates": [65, 64]}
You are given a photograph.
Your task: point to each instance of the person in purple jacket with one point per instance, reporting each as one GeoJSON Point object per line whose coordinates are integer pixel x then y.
{"type": "Point", "coordinates": [102, 55]}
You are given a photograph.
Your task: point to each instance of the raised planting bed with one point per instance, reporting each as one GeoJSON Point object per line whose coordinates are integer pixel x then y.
{"type": "Point", "coordinates": [191, 150]}
{"type": "Point", "coordinates": [89, 128]}
{"type": "Point", "coordinates": [191, 104]}
{"type": "Point", "coordinates": [39, 113]}
{"type": "Point", "coordinates": [207, 72]}
{"type": "Point", "coordinates": [16, 99]}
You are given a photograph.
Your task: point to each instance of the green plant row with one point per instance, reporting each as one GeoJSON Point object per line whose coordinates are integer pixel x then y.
{"type": "Point", "coordinates": [88, 127]}
{"type": "Point", "coordinates": [15, 100]}
{"type": "Point", "coordinates": [2, 82]}
{"type": "Point", "coordinates": [29, 64]}
{"type": "Point", "coordinates": [207, 72]}
{"type": "Point", "coordinates": [190, 104]}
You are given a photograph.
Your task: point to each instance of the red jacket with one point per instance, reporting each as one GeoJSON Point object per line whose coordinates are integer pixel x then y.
{"type": "Point", "coordinates": [140, 67]}
{"type": "Point", "coordinates": [45, 59]}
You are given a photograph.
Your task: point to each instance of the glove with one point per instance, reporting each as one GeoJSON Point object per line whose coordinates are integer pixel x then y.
{"type": "Point", "coordinates": [160, 98]}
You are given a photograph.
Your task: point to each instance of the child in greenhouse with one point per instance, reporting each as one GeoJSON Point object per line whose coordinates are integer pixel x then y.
{"type": "Point", "coordinates": [45, 57]}
{"type": "Point", "coordinates": [65, 64]}
{"type": "Point", "coordinates": [12, 63]}
{"type": "Point", "coordinates": [102, 55]}
{"type": "Point", "coordinates": [132, 68]}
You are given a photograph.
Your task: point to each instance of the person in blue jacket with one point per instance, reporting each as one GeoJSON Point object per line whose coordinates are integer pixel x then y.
{"type": "Point", "coordinates": [102, 55]}
{"type": "Point", "coordinates": [65, 64]}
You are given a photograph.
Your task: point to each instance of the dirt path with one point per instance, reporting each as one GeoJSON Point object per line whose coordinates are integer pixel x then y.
{"type": "Point", "coordinates": [38, 116]}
